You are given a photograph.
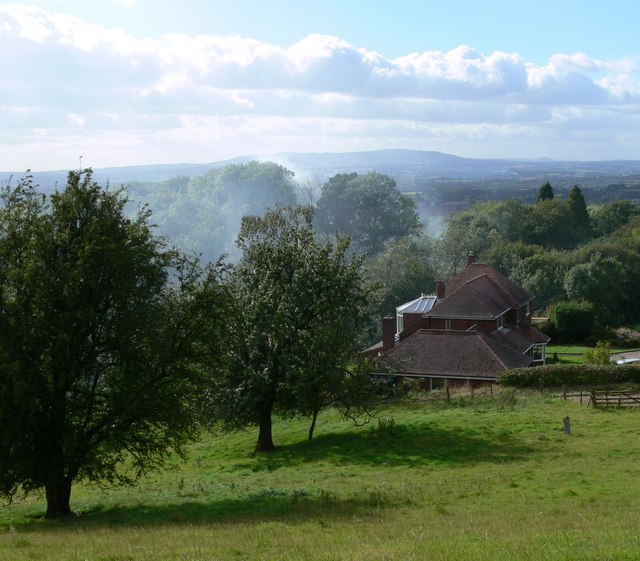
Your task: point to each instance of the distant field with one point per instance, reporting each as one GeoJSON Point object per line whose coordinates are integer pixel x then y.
{"type": "Point", "coordinates": [484, 478]}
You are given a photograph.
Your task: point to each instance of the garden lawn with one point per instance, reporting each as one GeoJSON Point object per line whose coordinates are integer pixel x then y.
{"type": "Point", "coordinates": [482, 478]}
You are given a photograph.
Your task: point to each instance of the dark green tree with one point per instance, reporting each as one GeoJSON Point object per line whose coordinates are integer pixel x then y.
{"type": "Point", "coordinates": [545, 193]}
{"type": "Point", "coordinates": [368, 208]}
{"type": "Point", "coordinates": [104, 354]}
{"type": "Point", "coordinates": [573, 320]}
{"type": "Point", "coordinates": [299, 305]}
{"type": "Point", "coordinates": [578, 208]}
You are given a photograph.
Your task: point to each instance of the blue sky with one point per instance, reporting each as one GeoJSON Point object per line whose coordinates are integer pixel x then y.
{"type": "Point", "coordinates": [126, 82]}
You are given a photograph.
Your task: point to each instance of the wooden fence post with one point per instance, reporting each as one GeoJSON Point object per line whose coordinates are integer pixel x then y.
{"type": "Point", "coordinates": [564, 392]}
{"type": "Point", "coordinates": [593, 398]}
{"type": "Point", "coordinates": [567, 425]}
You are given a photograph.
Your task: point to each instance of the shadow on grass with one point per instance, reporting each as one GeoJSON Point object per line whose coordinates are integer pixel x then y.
{"type": "Point", "coordinates": [400, 445]}
{"type": "Point", "coordinates": [409, 445]}
{"type": "Point", "coordinates": [271, 504]}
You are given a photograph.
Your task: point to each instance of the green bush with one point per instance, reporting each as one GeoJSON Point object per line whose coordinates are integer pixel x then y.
{"type": "Point", "coordinates": [573, 321]}
{"type": "Point", "coordinates": [554, 375]}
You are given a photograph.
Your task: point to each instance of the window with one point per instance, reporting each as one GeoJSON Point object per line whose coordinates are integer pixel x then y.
{"type": "Point", "coordinates": [500, 321]}
{"type": "Point", "coordinates": [447, 324]}
{"type": "Point", "coordinates": [537, 352]}
{"type": "Point", "coordinates": [438, 383]}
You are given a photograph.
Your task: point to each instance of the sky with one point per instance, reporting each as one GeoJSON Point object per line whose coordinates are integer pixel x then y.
{"type": "Point", "coordinates": [132, 82]}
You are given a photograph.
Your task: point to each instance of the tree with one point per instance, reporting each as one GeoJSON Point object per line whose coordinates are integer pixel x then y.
{"type": "Point", "coordinates": [601, 281]}
{"type": "Point", "coordinates": [368, 208]}
{"type": "Point", "coordinates": [206, 213]}
{"type": "Point", "coordinates": [545, 193]}
{"type": "Point", "coordinates": [299, 305]}
{"type": "Point", "coordinates": [104, 355]}
{"type": "Point", "coordinates": [401, 272]}
{"type": "Point", "coordinates": [578, 208]}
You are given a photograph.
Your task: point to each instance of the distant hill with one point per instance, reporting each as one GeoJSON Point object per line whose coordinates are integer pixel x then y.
{"type": "Point", "coordinates": [412, 169]}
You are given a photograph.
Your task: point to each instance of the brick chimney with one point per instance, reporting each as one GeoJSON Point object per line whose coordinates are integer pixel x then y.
{"type": "Point", "coordinates": [388, 333]}
{"type": "Point", "coordinates": [440, 290]}
{"type": "Point", "coordinates": [471, 258]}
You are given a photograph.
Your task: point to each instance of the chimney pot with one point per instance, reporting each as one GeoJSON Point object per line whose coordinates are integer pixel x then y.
{"type": "Point", "coordinates": [471, 258]}
{"type": "Point", "coordinates": [440, 290]}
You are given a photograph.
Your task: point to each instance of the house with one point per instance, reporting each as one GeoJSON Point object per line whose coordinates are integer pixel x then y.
{"type": "Point", "coordinates": [475, 327]}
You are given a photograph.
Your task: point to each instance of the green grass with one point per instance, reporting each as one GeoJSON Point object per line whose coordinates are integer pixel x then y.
{"type": "Point", "coordinates": [573, 354]}
{"type": "Point", "coordinates": [480, 479]}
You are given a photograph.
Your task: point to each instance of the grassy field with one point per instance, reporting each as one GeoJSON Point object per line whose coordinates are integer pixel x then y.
{"type": "Point", "coordinates": [482, 478]}
{"type": "Point", "coordinates": [573, 354]}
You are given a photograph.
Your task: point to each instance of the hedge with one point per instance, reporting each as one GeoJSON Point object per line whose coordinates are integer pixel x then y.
{"type": "Point", "coordinates": [570, 375]}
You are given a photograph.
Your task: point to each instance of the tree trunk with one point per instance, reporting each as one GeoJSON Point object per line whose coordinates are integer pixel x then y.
{"type": "Point", "coordinates": [313, 423]}
{"type": "Point", "coordinates": [265, 435]}
{"type": "Point", "coordinates": [58, 494]}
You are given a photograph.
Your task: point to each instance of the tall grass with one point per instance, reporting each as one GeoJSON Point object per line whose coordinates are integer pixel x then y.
{"type": "Point", "coordinates": [479, 477]}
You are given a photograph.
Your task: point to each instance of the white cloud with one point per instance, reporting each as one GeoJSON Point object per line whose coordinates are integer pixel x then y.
{"type": "Point", "coordinates": [64, 76]}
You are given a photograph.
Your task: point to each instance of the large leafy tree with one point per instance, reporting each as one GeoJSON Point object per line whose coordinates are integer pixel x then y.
{"type": "Point", "coordinates": [299, 305]}
{"type": "Point", "coordinates": [107, 341]}
{"type": "Point", "coordinates": [368, 208]}
{"type": "Point", "coordinates": [204, 213]}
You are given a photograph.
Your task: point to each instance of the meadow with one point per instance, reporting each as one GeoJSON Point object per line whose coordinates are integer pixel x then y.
{"type": "Point", "coordinates": [478, 478]}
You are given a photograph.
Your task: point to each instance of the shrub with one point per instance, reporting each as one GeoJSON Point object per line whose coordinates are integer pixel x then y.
{"type": "Point", "coordinates": [573, 320]}
{"type": "Point", "coordinates": [600, 354]}
{"type": "Point", "coordinates": [554, 375]}
{"type": "Point", "coordinates": [625, 337]}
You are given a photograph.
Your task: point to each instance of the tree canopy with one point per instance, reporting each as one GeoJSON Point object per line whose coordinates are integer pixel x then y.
{"type": "Point", "coordinates": [107, 341]}
{"type": "Point", "coordinates": [368, 208]}
{"type": "Point", "coordinates": [299, 306]}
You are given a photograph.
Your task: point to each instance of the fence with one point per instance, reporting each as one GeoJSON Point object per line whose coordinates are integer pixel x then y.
{"type": "Point", "coordinates": [629, 397]}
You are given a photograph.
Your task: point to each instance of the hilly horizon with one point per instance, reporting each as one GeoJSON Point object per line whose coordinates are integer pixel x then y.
{"type": "Point", "coordinates": [410, 168]}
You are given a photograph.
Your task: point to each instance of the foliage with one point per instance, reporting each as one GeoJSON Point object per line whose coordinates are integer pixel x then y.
{"type": "Point", "coordinates": [299, 306]}
{"type": "Point", "coordinates": [402, 272]}
{"type": "Point", "coordinates": [573, 321]}
{"type": "Point", "coordinates": [609, 217]}
{"type": "Point", "coordinates": [203, 214]}
{"type": "Point", "coordinates": [600, 354]}
{"type": "Point", "coordinates": [556, 375]}
{"type": "Point", "coordinates": [578, 208]}
{"type": "Point", "coordinates": [601, 281]}
{"type": "Point", "coordinates": [103, 356]}
{"type": "Point", "coordinates": [368, 208]}
{"type": "Point", "coordinates": [545, 193]}
{"type": "Point", "coordinates": [625, 337]}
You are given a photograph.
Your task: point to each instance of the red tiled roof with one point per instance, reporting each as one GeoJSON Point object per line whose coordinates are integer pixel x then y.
{"type": "Point", "coordinates": [454, 354]}
{"type": "Point", "coordinates": [519, 337]}
{"type": "Point", "coordinates": [514, 295]}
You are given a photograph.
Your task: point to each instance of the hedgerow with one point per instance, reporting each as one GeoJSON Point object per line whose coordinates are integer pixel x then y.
{"type": "Point", "coordinates": [570, 375]}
